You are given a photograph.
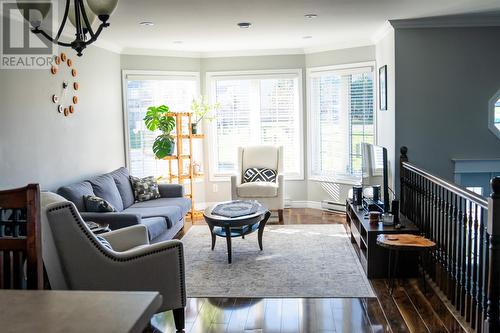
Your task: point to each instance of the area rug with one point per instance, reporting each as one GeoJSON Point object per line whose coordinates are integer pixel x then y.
{"type": "Point", "coordinates": [297, 261]}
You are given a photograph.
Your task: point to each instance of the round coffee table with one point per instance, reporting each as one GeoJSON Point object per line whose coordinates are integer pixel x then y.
{"type": "Point", "coordinates": [229, 227]}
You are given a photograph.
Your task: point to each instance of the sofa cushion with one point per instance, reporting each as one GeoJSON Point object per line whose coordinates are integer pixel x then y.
{"type": "Point", "coordinates": [258, 190]}
{"type": "Point", "coordinates": [145, 188]}
{"type": "Point", "coordinates": [98, 205]}
{"type": "Point", "coordinates": [104, 187]}
{"type": "Point", "coordinates": [183, 203]}
{"type": "Point", "coordinates": [122, 181]}
{"type": "Point", "coordinates": [75, 193]}
{"type": "Point", "coordinates": [171, 213]}
{"type": "Point", "coordinates": [155, 225]}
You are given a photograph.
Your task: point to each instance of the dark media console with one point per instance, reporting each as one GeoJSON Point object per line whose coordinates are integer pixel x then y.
{"type": "Point", "coordinates": [374, 258]}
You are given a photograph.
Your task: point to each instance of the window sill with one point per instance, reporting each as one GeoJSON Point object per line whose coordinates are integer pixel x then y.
{"type": "Point", "coordinates": [336, 180]}
{"type": "Point", "coordinates": [227, 178]}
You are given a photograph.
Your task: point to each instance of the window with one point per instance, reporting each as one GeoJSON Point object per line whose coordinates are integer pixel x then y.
{"type": "Point", "coordinates": [256, 108]}
{"type": "Point", "coordinates": [494, 114]}
{"type": "Point", "coordinates": [341, 117]}
{"type": "Point", "coordinates": [141, 91]}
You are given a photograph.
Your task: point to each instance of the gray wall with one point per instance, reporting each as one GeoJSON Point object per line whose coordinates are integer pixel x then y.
{"type": "Point", "coordinates": [300, 190]}
{"type": "Point", "coordinates": [37, 144]}
{"type": "Point", "coordinates": [445, 78]}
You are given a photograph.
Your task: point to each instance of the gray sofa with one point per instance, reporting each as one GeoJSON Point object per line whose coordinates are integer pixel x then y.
{"type": "Point", "coordinates": [163, 217]}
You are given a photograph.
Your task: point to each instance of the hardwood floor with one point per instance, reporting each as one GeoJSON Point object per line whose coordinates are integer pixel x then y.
{"type": "Point", "coordinates": [409, 309]}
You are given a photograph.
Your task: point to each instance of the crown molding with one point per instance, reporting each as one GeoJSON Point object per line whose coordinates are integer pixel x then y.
{"type": "Point", "coordinates": [336, 47]}
{"type": "Point", "coordinates": [382, 32]}
{"type": "Point", "coordinates": [239, 53]}
{"type": "Point", "coordinates": [451, 21]}
{"type": "Point", "coordinates": [216, 54]}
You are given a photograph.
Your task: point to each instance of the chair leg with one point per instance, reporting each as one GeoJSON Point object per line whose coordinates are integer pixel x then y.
{"type": "Point", "coordinates": [280, 216]}
{"type": "Point", "coordinates": [179, 319]}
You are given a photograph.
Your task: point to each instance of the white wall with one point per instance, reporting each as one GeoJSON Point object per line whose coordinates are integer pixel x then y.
{"type": "Point", "coordinates": [297, 190]}
{"type": "Point", "coordinates": [386, 120]}
{"type": "Point", "coordinates": [37, 144]}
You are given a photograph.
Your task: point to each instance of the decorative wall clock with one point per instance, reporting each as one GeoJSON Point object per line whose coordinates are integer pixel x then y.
{"type": "Point", "coordinates": [66, 97]}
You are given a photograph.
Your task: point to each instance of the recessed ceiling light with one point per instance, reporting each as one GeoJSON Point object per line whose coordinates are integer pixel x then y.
{"type": "Point", "coordinates": [311, 16]}
{"type": "Point", "coordinates": [244, 25]}
{"type": "Point", "coordinates": [147, 23]}
{"type": "Point", "coordinates": [307, 37]}
{"type": "Point", "coordinates": [178, 42]}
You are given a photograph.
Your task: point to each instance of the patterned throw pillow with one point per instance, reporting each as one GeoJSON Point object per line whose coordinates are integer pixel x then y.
{"type": "Point", "coordinates": [97, 205]}
{"type": "Point", "coordinates": [104, 242]}
{"type": "Point", "coordinates": [145, 188]}
{"type": "Point", "coordinates": [259, 175]}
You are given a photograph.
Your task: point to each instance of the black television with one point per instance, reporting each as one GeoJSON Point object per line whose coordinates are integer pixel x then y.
{"type": "Point", "coordinates": [374, 171]}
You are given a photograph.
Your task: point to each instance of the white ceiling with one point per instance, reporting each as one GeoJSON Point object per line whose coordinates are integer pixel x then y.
{"type": "Point", "coordinates": [209, 26]}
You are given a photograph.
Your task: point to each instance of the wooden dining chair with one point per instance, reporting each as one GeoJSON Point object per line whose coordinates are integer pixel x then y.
{"type": "Point", "coordinates": [21, 264]}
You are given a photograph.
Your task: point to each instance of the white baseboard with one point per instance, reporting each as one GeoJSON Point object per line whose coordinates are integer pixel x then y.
{"type": "Point", "coordinates": [305, 204]}
{"type": "Point", "coordinates": [288, 204]}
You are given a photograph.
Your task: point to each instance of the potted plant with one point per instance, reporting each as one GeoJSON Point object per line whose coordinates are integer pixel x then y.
{"type": "Point", "coordinates": [157, 119]}
{"type": "Point", "coordinates": [202, 110]}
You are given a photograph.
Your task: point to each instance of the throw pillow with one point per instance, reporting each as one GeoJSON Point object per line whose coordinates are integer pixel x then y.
{"type": "Point", "coordinates": [259, 175]}
{"type": "Point", "coordinates": [145, 188]}
{"type": "Point", "coordinates": [104, 242]}
{"type": "Point", "coordinates": [97, 205]}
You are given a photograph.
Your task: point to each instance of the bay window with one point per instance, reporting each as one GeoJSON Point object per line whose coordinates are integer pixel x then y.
{"type": "Point", "coordinates": [341, 117]}
{"type": "Point", "coordinates": [145, 89]}
{"type": "Point", "coordinates": [256, 108]}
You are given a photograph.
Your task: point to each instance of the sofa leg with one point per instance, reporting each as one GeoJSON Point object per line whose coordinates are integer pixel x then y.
{"type": "Point", "coordinates": [179, 319]}
{"type": "Point", "coordinates": [280, 216]}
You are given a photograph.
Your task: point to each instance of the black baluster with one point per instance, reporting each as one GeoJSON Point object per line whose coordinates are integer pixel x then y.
{"type": "Point", "coordinates": [454, 246]}
{"type": "Point", "coordinates": [480, 271]}
{"type": "Point", "coordinates": [492, 322]}
{"type": "Point", "coordinates": [461, 255]}
{"type": "Point", "coordinates": [464, 281]}
{"type": "Point", "coordinates": [474, 261]}
{"type": "Point", "coordinates": [468, 284]}
{"type": "Point", "coordinates": [449, 246]}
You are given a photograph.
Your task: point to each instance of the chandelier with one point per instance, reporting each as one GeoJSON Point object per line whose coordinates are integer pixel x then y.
{"type": "Point", "coordinates": [80, 13]}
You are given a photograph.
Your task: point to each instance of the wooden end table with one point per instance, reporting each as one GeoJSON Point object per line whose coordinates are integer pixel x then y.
{"type": "Point", "coordinates": [230, 227]}
{"type": "Point", "coordinates": [403, 242]}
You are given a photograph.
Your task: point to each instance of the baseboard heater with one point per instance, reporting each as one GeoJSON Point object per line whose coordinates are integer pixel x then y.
{"type": "Point", "coordinates": [332, 206]}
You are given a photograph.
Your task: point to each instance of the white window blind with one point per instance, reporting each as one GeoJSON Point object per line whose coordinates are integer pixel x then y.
{"type": "Point", "coordinates": [257, 110]}
{"type": "Point", "coordinates": [341, 118]}
{"type": "Point", "coordinates": [142, 92]}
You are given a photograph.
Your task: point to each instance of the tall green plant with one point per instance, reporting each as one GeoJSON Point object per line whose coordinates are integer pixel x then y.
{"type": "Point", "coordinates": [156, 119]}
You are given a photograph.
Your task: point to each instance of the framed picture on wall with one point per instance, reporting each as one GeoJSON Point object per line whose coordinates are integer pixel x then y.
{"type": "Point", "coordinates": [382, 87]}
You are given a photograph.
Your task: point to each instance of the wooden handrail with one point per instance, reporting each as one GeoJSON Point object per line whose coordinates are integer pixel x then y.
{"type": "Point", "coordinates": [450, 186]}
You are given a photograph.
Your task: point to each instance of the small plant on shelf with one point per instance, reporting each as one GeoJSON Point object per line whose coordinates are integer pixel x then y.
{"type": "Point", "coordinates": [157, 119]}
{"type": "Point", "coordinates": [202, 110]}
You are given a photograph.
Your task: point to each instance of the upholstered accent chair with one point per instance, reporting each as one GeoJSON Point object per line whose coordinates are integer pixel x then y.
{"type": "Point", "coordinates": [75, 259]}
{"type": "Point", "coordinates": [269, 194]}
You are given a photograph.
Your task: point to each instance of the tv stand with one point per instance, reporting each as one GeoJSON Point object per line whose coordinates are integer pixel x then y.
{"type": "Point", "coordinates": [374, 258]}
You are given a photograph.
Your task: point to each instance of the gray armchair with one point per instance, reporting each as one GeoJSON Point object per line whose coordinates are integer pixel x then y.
{"type": "Point", "coordinates": [76, 260]}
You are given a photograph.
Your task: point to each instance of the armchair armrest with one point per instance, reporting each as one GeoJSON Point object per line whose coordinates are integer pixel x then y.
{"type": "Point", "coordinates": [126, 238]}
{"type": "Point", "coordinates": [115, 220]}
{"type": "Point", "coordinates": [235, 182]}
{"type": "Point", "coordinates": [281, 189]}
{"type": "Point", "coordinates": [171, 190]}
{"type": "Point", "coordinates": [161, 265]}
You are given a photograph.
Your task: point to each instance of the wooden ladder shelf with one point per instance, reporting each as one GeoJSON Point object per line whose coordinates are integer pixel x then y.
{"type": "Point", "coordinates": [183, 175]}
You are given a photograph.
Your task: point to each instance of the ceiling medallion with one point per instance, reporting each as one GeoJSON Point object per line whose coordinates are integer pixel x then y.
{"type": "Point", "coordinates": [81, 14]}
